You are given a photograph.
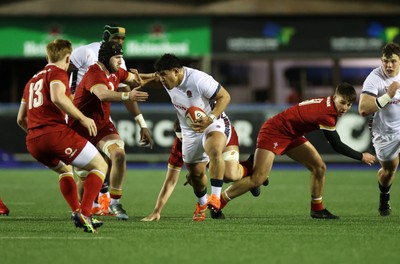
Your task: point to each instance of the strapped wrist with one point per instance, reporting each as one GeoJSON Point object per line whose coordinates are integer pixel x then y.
{"type": "Point", "coordinates": [140, 121]}
{"type": "Point", "coordinates": [125, 96]}
{"type": "Point", "coordinates": [213, 117]}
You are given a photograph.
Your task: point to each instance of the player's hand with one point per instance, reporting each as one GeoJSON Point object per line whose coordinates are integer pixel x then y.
{"type": "Point", "coordinates": [146, 140]}
{"type": "Point", "coordinates": [137, 78]}
{"type": "Point", "coordinates": [392, 89]}
{"type": "Point", "coordinates": [151, 217]}
{"type": "Point", "coordinates": [136, 95]}
{"type": "Point", "coordinates": [201, 124]}
{"type": "Point", "coordinates": [90, 126]}
{"type": "Point", "coordinates": [368, 159]}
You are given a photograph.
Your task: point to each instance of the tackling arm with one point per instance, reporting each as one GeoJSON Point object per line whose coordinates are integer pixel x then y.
{"type": "Point", "coordinates": [168, 187]}
{"type": "Point", "coordinates": [133, 108]}
{"type": "Point", "coordinates": [334, 139]}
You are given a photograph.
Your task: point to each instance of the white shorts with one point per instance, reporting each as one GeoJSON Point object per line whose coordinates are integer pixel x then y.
{"type": "Point", "coordinates": [193, 143]}
{"type": "Point", "coordinates": [386, 146]}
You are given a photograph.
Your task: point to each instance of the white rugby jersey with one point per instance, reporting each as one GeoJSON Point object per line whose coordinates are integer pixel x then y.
{"type": "Point", "coordinates": [387, 119]}
{"type": "Point", "coordinates": [196, 89]}
{"type": "Point", "coordinates": [83, 57]}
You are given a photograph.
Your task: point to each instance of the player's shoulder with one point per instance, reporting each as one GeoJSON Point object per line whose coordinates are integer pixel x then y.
{"type": "Point", "coordinates": [53, 69]}
{"type": "Point", "coordinates": [193, 72]}
{"type": "Point", "coordinates": [376, 74]}
{"type": "Point", "coordinates": [85, 50]}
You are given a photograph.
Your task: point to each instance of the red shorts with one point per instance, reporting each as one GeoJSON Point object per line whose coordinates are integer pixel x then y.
{"type": "Point", "coordinates": [270, 138]}
{"type": "Point", "coordinates": [175, 158]}
{"type": "Point", "coordinates": [234, 141]}
{"type": "Point", "coordinates": [52, 147]}
{"type": "Point", "coordinates": [105, 131]}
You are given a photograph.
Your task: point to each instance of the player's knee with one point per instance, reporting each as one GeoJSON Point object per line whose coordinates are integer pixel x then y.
{"type": "Point", "coordinates": [319, 170]}
{"type": "Point", "coordinates": [114, 148]}
{"type": "Point", "coordinates": [81, 173]}
{"type": "Point", "coordinates": [258, 179]}
{"type": "Point", "coordinates": [388, 173]}
{"type": "Point", "coordinates": [118, 155]}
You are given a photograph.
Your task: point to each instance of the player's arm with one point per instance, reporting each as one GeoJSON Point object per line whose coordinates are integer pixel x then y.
{"type": "Point", "coordinates": [337, 144]}
{"type": "Point", "coordinates": [168, 187]}
{"type": "Point", "coordinates": [141, 79]}
{"type": "Point", "coordinates": [22, 117]}
{"type": "Point", "coordinates": [222, 100]}
{"type": "Point", "coordinates": [63, 102]}
{"type": "Point", "coordinates": [106, 95]}
{"type": "Point", "coordinates": [369, 103]}
{"type": "Point", "coordinates": [133, 108]}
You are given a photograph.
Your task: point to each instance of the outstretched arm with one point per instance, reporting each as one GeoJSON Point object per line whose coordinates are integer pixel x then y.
{"type": "Point", "coordinates": [337, 144]}
{"type": "Point", "coordinates": [133, 108]}
{"type": "Point", "coordinates": [168, 187]}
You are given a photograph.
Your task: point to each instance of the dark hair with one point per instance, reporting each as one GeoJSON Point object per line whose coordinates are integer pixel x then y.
{"type": "Point", "coordinates": [347, 91]}
{"type": "Point", "coordinates": [107, 50]}
{"type": "Point", "coordinates": [111, 30]}
{"type": "Point", "coordinates": [390, 49]}
{"type": "Point", "coordinates": [167, 62]}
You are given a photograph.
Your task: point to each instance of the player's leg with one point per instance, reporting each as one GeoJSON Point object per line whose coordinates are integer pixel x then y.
{"type": "Point", "coordinates": [307, 155]}
{"type": "Point", "coordinates": [96, 169]}
{"type": "Point", "coordinates": [386, 175]}
{"type": "Point", "coordinates": [387, 149]}
{"type": "Point", "coordinates": [113, 146]}
{"type": "Point", "coordinates": [103, 199]}
{"type": "Point", "coordinates": [198, 178]}
{"type": "Point", "coordinates": [214, 145]}
{"type": "Point", "coordinates": [263, 160]}
{"type": "Point", "coordinates": [67, 185]}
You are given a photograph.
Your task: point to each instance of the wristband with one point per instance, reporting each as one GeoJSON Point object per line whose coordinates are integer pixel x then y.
{"type": "Point", "coordinates": [383, 100]}
{"type": "Point", "coordinates": [213, 117]}
{"type": "Point", "coordinates": [125, 96]}
{"type": "Point", "coordinates": [140, 121]}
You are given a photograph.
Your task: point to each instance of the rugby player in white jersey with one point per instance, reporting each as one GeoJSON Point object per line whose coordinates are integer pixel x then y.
{"type": "Point", "coordinates": [381, 98]}
{"type": "Point", "coordinates": [207, 139]}
{"type": "Point", "coordinates": [81, 58]}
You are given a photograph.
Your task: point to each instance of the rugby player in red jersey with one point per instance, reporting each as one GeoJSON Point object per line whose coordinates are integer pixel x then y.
{"type": "Point", "coordinates": [284, 134]}
{"type": "Point", "coordinates": [45, 102]}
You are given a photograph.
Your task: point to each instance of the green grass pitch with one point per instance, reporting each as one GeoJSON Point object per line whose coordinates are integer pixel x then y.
{"type": "Point", "coordinates": [273, 228]}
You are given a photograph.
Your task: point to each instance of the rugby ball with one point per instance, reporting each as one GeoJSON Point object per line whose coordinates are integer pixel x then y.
{"type": "Point", "coordinates": [193, 113]}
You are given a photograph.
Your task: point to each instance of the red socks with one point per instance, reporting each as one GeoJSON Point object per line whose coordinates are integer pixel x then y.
{"type": "Point", "coordinates": [69, 190]}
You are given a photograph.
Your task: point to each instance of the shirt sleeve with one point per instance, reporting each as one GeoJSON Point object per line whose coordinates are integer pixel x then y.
{"type": "Point", "coordinates": [208, 86]}
{"type": "Point", "coordinates": [337, 144]}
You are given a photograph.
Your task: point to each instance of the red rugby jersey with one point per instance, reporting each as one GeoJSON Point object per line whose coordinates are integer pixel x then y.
{"type": "Point", "coordinates": [43, 115]}
{"type": "Point", "coordinates": [307, 116]}
{"type": "Point", "coordinates": [89, 103]}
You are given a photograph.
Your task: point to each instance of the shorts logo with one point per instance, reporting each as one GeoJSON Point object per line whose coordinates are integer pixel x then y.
{"type": "Point", "coordinates": [275, 145]}
{"type": "Point", "coordinates": [189, 94]}
{"type": "Point", "coordinates": [70, 152]}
